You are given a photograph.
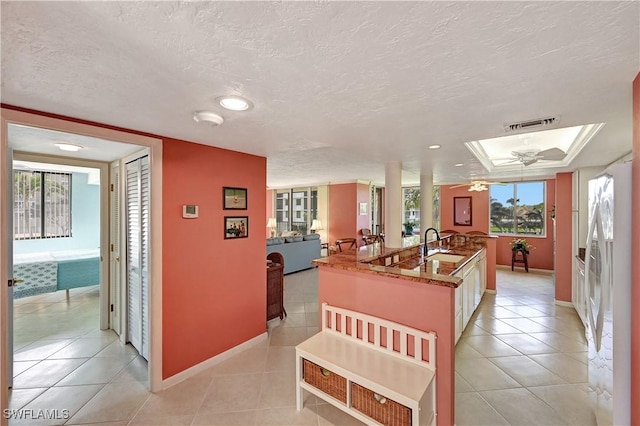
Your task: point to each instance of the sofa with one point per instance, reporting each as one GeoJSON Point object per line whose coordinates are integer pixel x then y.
{"type": "Point", "coordinates": [298, 250]}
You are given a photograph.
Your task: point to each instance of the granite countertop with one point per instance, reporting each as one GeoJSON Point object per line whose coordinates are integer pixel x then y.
{"type": "Point", "coordinates": [413, 268]}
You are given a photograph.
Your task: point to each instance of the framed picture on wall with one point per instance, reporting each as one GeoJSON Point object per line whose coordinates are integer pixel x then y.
{"type": "Point", "coordinates": [236, 227]}
{"type": "Point", "coordinates": [234, 198]}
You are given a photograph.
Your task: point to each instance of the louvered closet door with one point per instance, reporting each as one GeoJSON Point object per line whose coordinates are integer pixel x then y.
{"type": "Point", "coordinates": [138, 254]}
{"type": "Point", "coordinates": [114, 253]}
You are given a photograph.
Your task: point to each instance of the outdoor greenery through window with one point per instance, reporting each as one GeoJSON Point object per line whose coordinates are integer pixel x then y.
{"type": "Point", "coordinates": [295, 209]}
{"type": "Point", "coordinates": [518, 208]}
{"type": "Point", "coordinates": [411, 217]}
{"type": "Point", "coordinates": [41, 204]}
{"type": "Point", "coordinates": [411, 213]}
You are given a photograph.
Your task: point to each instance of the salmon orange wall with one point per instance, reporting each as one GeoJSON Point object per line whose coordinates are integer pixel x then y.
{"type": "Point", "coordinates": [343, 204]}
{"type": "Point", "coordinates": [213, 289]}
{"type": "Point", "coordinates": [564, 232]}
{"type": "Point", "coordinates": [479, 209]}
{"type": "Point", "coordinates": [635, 273]}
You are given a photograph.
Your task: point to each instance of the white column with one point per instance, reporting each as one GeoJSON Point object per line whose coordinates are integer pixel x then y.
{"type": "Point", "coordinates": [426, 203]}
{"type": "Point", "coordinates": [393, 204]}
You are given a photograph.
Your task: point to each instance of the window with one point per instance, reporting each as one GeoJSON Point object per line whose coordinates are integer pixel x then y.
{"type": "Point", "coordinates": [518, 208]}
{"type": "Point", "coordinates": [41, 205]}
{"type": "Point", "coordinates": [411, 214]}
{"type": "Point", "coordinates": [298, 214]}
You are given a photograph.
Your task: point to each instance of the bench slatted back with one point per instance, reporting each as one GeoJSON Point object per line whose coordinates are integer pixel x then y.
{"type": "Point", "coordinates": [356, 326]}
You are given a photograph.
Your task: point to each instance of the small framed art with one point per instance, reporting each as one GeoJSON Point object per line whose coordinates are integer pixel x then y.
{"type": "Point", "coordinates": [236, 227]}
{"type": "Point", "coordinates": [234, 198]}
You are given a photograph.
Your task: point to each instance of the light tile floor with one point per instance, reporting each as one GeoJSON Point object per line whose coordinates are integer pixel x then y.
{"type": "Point", "coordinates": [521, 361]}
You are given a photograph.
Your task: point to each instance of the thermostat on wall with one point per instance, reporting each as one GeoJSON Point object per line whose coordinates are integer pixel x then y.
{"type": "Point", "coordinates": [189, 211]}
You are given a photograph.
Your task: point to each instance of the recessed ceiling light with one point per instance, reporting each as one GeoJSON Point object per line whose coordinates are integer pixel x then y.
{"type": "Point", "coordinates": [434, 146]}
{"type": "Point", "coordinates": [68, 146]}
{"type": "Point", "coordinates": [234, 103]}
{"type": "Point", "coordinates": [208, 117]}
{"type": "Point", "coordinates": [459, 164]}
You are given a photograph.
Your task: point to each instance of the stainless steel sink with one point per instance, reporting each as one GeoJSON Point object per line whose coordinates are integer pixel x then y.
{"type": "Point", "coordinates": [444, 257]}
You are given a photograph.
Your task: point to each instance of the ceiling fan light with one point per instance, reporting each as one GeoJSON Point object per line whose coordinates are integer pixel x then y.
{"type": "Point", "coordinates": [477, 186]}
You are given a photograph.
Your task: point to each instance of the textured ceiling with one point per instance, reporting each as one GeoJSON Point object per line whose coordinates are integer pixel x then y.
{"type": "Point", "coordinates": [339, 87]}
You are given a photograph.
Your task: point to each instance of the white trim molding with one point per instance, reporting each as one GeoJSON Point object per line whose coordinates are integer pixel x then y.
{"type": "Point", "coordinates": [206, 364]}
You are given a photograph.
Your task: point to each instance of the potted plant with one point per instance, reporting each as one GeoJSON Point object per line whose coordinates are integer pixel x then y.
{"type": "Point", "coordinates": [520, 244]}
{"type": "Point", "coordinates": [408, 227]}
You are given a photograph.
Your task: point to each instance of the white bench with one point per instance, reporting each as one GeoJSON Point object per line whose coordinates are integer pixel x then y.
{"type": "Point", "coordinates": [350, 365]}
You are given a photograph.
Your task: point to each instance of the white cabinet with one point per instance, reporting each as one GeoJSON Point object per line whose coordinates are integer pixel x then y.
{"type": "Point", "coordinates": [579, 292]}
{"type": "Point", "coordinates": [482, 265]}
{"type": "Point", "coordinates": [469, 291]}
{"type": "Point", "coordinates": [469, 294]}
{"type": "Point", "coordinates": [458, 309]}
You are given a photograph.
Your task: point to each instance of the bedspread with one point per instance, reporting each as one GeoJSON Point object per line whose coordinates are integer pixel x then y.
{"type": "Point", "coordinates": [51, 271]}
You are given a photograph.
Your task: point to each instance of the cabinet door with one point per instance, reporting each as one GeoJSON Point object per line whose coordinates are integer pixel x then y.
{"type": "Point", "coordinates": [458, 301]}
{"type": "Point", "coordinates": [468, 296]}
{"type": "Point", "coordinates": [482, 264]}
{"type": "Point", "coordinates": [477, 281]}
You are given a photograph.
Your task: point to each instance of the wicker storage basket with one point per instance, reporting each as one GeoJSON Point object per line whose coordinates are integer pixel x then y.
{"type": "Point", "coordinates": [384, 411]}
{"type": "Point", "coordinates": [325, 380]}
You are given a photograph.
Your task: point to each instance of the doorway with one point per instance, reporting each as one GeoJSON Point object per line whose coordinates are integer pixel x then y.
{"type": "Point", "coordinates": [155, 150]}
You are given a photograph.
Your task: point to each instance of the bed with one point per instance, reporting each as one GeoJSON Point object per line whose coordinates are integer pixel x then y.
{"type": "Point", "coordinates": [51, 271]}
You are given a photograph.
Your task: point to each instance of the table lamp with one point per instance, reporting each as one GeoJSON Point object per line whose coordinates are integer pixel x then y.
{"type": "Point", "coordinates": [316, 225]}
{"type": "Point", "coordinates": [272, 224]}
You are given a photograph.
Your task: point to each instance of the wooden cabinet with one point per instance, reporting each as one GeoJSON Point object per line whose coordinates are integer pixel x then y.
{"type": "Point", "coordinates": [275, 291]}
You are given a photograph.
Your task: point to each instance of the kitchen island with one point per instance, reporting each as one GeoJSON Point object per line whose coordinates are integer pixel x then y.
{"type": "Point", "coordinates": [404, 286]}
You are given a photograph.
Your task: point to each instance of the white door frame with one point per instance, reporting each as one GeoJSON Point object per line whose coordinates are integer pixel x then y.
{"type": "Point", "coordinates": [6, 306]}
{"type": "Point", "coordinates": [155, 310]}
{"type": "Point", "coordinates": [115, 234]}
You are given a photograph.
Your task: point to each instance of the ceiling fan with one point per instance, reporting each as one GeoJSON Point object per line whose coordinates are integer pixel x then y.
{"type": "Point", "coordinates": [529, 157]}
{"type": "Point", "coordinates": [477, 185]}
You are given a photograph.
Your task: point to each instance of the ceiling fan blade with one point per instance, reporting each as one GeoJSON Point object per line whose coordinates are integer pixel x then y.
{"type": "Point", "coordinates": [554, 154]}
{"type": "Point", "coordinates": [530, 161]}
{"type": "Point", "coordinates": [460, 186]}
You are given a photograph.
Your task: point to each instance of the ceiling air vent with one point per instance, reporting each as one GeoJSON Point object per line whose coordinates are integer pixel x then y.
{"type": "Point", "coordinates": [540, 122]}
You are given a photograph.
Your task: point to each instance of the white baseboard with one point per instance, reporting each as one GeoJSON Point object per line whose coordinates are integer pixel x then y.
{"type": "Point", "coordinates": [198, 368]}
{"type": "Point", "coordinates": [536, 270]}
{"type": "Point", "coordinates": [563, 303]}
{"type": "Point", "coordinates": [490, 291]}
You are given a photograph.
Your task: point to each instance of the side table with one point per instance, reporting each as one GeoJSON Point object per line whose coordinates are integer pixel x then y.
{"type": "Point", "coordinates": [275, 291]}
{"type": "Point", "coordinates": [522, 258]}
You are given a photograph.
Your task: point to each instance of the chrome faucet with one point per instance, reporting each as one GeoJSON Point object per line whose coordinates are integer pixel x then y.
{"type": "Point", "coordinates": [426, 248]}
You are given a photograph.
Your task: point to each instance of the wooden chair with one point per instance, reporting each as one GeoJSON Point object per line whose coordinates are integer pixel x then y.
{"type": "Point", "coordinates": [368, 237]}
{"type": "Point", "coordinates": [275, 287]}
{"type": "Point", "coordinates": [345, 241]}
{"type": "Point", "coordinates": [477, 233]}
{"type": "Point", "coordinates": [276, 257]}
{"type": "Point", "coordinates": [449, 231]}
